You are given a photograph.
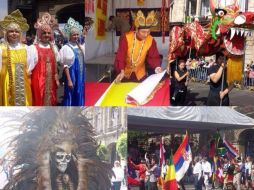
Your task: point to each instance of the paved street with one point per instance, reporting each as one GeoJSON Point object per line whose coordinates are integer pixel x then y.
{"type": "Point", "coordinates": [198, 92]}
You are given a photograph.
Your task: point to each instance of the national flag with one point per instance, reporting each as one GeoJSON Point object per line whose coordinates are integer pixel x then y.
{"type": "Point", "coordinates": [170, 178]}
{"type": "Point", "coordinates": [162, 151]}
{"type": "Point", "coordinates": [230, 148]}
{"type": "Point", "coordinates": [162, 163]}
{"type": "Point", "coordinates": [182, 158]}
{"type": "Point", "coordinates": [217, 170]}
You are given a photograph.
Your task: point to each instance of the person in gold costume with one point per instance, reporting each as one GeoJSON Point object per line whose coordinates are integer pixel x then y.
{"type": "Point", "coordinates": [136, 48]}
{"type": "Point", "coordinates": [15, 64]}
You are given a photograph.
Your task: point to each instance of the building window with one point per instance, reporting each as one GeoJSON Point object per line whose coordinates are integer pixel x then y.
{"type": "Point", "coordinates": [192, 6]}
{"type": "Point", "coordinates": [205, 8]}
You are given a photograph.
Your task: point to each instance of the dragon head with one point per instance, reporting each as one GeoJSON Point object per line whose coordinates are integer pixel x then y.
{"type": "Point", "coordinates": [232, 25]}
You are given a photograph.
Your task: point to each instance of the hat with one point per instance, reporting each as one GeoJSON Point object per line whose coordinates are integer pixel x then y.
{"type": "Point", "coordinates": [17, 18]}
{"type": "Point", "coordinates": [46, 20]}
{"type": "Point", "coordinates": [140, 21]}
{"type": "Point", "coordinates": [72, 24]}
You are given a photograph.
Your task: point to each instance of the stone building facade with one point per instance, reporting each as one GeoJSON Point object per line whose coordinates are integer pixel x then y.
{"type": "Point", "coordinates": [109, 123]}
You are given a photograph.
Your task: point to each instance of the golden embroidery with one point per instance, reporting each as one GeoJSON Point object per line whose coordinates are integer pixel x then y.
{"type": "Point", "coordinates": [48, 84]}
{"type": "Point", "coordinates": [19, 85]}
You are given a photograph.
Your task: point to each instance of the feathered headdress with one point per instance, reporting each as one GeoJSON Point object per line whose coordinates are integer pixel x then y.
{"type": "Point", "coordinates": [17, 18]}
{"type": "Point", "coordinates": [42, 132]}
{"type": "Point", "coordinates": [140, 21]}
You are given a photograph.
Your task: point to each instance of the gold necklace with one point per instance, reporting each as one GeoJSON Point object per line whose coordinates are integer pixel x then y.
{"type": "Point", "coordinates": [132, 51]}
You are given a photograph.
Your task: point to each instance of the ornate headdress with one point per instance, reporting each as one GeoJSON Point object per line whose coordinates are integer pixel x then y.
{"type": "Point", "coordinates": [34, 153]}
{"type": "Point", "coordinates": [72, 25]}
{"type": "Point", "coordinates": [45, 22]}
{"type": "Point", "coordinates": [140, 21]}
{"type": "Point", "coordinates": [17, 18]}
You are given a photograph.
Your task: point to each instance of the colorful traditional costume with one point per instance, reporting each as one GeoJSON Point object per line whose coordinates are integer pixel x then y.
{"type": "Point", "coordinates": [54, 153]}
{"type": "Point", "coordinates": [45, 57]}
{"type": "Point", "coordinates": [15, 64]}
{"type": "Point", "coordinates": [133, 53]}
{"type": "Point", "coordinates": [72, 57]}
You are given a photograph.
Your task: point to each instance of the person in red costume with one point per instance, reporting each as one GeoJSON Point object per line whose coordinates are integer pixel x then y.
{"type": "Point", "coordinates": [142, 168]}
{"type": "Point", "coordinates": [136, 48]}
{"type": "Point", "coordinates": [44, 79]}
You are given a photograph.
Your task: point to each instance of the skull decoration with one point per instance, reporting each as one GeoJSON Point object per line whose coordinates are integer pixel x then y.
{"type": "Point", "coordinates": [62, 160]}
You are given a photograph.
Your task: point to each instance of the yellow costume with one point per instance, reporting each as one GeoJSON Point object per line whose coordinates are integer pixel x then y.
{"type": "Point", "coordinates": [14, 84]}
{"type": "Point", "coordinates": [14, 65]}
{"type": "Point", "coordinates": [138, 55]}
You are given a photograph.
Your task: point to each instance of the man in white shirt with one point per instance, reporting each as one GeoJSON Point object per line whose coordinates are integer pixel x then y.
{"type": "Point", "coordinates": [197, 172]}
{"type": "Point", "coordinates": [248, 165]}
{"type": "Point", "coordinates": [207, 172]}
{"type": "Point", "coordinates": [119, 176]}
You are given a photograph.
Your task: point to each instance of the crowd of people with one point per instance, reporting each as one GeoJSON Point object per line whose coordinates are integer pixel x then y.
{"type": "Point", "coordinates": [29, 71]}
{"type": "Point", "coordinates": [222, 171]}
{"type": "Point", "coordinates": [227, 173]}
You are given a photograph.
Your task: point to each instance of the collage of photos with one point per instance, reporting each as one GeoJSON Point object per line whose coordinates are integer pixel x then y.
{"type": "Point", "coordinates": [126, 95]}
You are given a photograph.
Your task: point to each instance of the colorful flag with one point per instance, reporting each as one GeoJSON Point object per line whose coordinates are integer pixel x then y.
{"type": "Point", "coordinates": [162, 151]}
{"type": "Point", "coordinates": [170, 178]}
{"type": "Point", "coordinates": [230, 148]}
{"type": "Point", "coordinates": [182, 158]}
{"type": "Point", "coordinates": [162, 164]}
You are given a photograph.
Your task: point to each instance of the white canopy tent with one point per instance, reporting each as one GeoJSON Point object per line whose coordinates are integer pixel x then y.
{"type": "Point", "coordinates": [180, 119]}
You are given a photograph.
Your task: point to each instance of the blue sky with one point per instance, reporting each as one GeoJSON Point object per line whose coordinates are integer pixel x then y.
{"type": "Point", "coordinates": [3, 8]}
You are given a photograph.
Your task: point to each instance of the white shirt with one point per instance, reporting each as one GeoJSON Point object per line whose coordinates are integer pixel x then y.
{"type": "Point", "coordinates": [152, 174]}
{"type": "Point", "coordinates": [34, 52]}
{"type": "Point", "coordinates": [30, 63]}
{"type": "Point", "coordinates": [206, 167]}
{"type": "Point", "coordinates": [197, 169]}
{"type": "Point", "coordinates": [248, 167]}
{"type": "Point", "coordinates": [67, 55]}
{"type": "Point", "coordinates": [119, 174]}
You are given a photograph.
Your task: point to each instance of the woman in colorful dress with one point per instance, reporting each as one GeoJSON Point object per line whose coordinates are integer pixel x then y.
{"type": "Point", "coordinates": [72, 57]}
{"type": "Point", "coordinates": [45, 56]}
{"type": "Point", "coordinates": [15, 63]}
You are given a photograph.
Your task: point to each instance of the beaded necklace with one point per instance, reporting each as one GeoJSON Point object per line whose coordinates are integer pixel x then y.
{"type": "Point", "coordinates": [132, 51]}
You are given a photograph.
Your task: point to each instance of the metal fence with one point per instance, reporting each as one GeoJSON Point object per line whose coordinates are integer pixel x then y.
{"type": "Point", "coordinates": [199, 74]}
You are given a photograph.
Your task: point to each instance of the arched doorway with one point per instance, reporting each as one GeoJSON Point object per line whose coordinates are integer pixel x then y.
{"type": "Point", "coordinates": [75, 11]}
{"type": "Point", "coordinates": [246, 140]}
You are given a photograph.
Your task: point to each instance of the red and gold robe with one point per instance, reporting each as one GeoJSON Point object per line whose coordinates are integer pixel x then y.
{"type": "Point", "coordinates": [148, 53]}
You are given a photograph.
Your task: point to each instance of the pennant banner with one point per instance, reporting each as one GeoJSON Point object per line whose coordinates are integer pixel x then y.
{"type": "Point", "coordinates": [101, 18]}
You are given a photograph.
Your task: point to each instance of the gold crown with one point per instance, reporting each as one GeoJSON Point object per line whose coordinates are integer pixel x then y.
{"type": "Point", "coordinates": [141, 21]}
{"type": "Point", "coordinates": [17, 18]}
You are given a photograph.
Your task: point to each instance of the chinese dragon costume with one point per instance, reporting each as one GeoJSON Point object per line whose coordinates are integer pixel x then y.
{"type": "Point", "coordinates": [226, 32]}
